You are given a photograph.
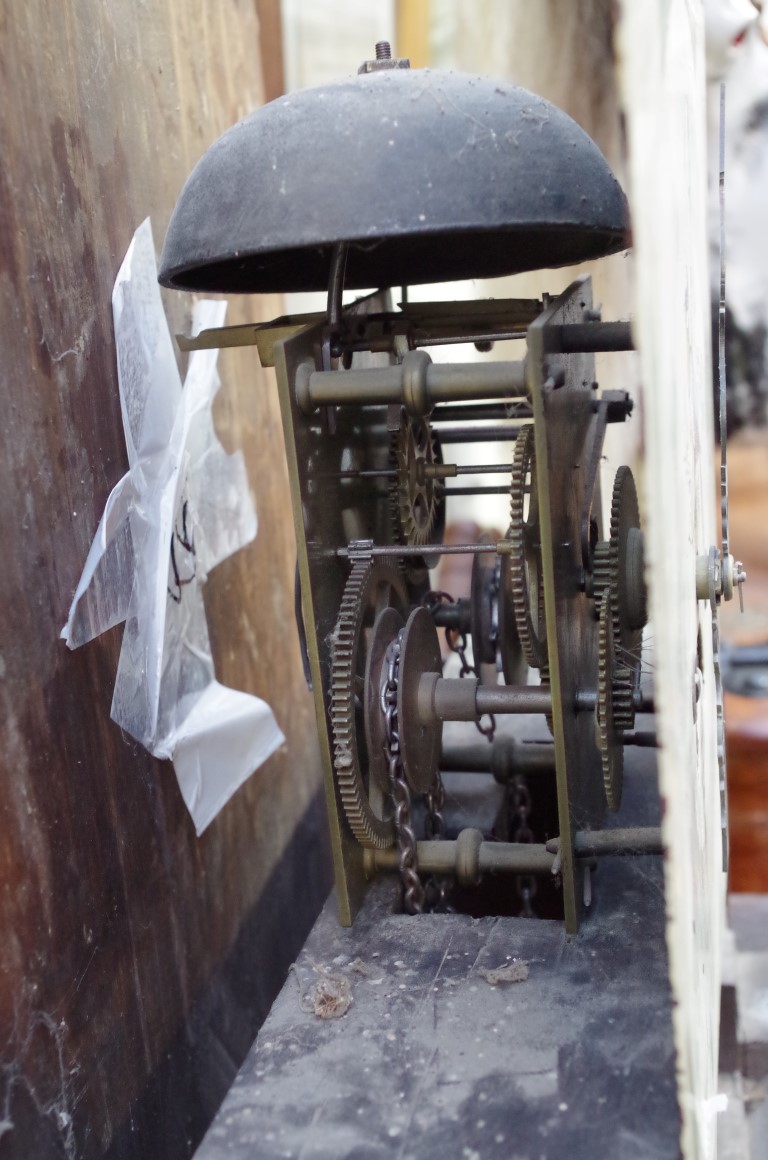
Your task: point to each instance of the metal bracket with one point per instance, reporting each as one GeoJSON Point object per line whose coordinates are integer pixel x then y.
{"type": "Point", "coordinates": [593, 464]}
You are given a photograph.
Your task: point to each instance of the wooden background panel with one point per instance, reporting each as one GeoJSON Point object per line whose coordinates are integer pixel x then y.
{"type": "Point", "coordinates": [115, 917]}
{"type": "Point", "coordinates": [563, 52]}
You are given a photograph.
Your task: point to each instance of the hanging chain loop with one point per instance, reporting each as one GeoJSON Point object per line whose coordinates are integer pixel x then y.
{"type": "Point", "coordinates": [457, 643]}
{"type": "Point", "coordinates": [413, 890]}
{"type": "Point", "coordinates": [522, 832]}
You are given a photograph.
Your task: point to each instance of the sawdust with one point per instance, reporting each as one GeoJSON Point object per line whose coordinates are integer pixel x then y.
{"type": "Point", "coordinates": [329, 998]}
{"type": "Point", "coordinates": [363, 969]}
{"type": "Point", "coordinates": [511, 973]}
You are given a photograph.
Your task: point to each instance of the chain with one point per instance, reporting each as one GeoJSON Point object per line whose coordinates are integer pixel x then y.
{"type": "Point", "coordinates": [413, 891]}
{"type": "Point", "coordinates": [457, 643]}
{"type": "Point", "coordinates": [434, 827]}
{"type": "Point", "coordinates": [522, 832]}
{"type": "Point", "coordinates": [435, 801]}
{"type": "Point", "coordinates": [489, 729]}
{"type": "Point", "coordinates": [521, 806]}
{"type": "Point", "coordinates": [434, 598]}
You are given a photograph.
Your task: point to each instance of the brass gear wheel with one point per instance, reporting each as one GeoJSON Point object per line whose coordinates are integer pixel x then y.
{"type": "Point", "coordinates": [608, 737]}
{"type": "Point", "coordinates": [601, 571]}
{"type": "Point", "coordinates": [617, 569]}
{"type": "Point", "coordinates": [522, 576]}
{"type": "Point", "coordinates": [417, 500]}
{"type": "Point", "coordinates": [623, 691]}
{"type": "Point", "coordinates": [370, 588]}
{"type": "Point", "coordinates": [628, 596]}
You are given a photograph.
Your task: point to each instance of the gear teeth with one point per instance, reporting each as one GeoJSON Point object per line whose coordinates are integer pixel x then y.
{"type": "Point", "coordinates": [601, 570]}
{"type": "Point", "coordinates": [623, 513]}
{"type": "Point", "coordinates": [395, 523]}
{"type": "Point", "coordinates": [623, 696]}
{"type": "Point", "coordinates": [369, 830]}
{"type": "Point", "coordinates": [411, 526]}
{"type": "Point", "coordinates": [611, 749]}
{"type": "Point", "coordinates": [627, 642]}
{"type": "Point", "coordinates": [532, 640]}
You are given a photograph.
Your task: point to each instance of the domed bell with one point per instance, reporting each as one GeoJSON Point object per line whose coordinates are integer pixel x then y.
{"type": "Point", "coordinates": [427, 176]}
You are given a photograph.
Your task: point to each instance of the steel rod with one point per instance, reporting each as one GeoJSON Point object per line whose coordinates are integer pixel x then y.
{"type": "Point", "coordinates": [470, 412]}
{"type": "Point", "coordinates": [643, 739]}
{"type": "Point", "coordinates": [336, 287]}
{"type": "Point", "coordinates": [363, 473]}
{"type": "Point", "coordinates": [502, 548]}
{"type": "Point", "coordinates": [602, 843]}
{"type": "Point", "coordinates": [433, 471]}
{"type": "Point", "coordinates": [513, 699]}
{"type": "Point", "coordinates": [500, 490]}
{"type": "Point", "coordinates": [481, 434]}
{"type": "Point", "coordinates": [452, 340]}
{"type": "Point", "coordinates": [469, 857]}
{"type": "Point", "coordinates": [455, 615]}
{"type": "Point", "coordinates": [589, 337]}
{"type": "Point", "coordinates": [456, 699]}
{"type": "Point", "coordinates": [416, 382]}
{"type": "Point", "coordinates": [484, 469]}
{"type": "Point", "coordinates": [587, 699]}
{"type": "Point", "coordinates": [505, 758]}
{"type": "Point", "coordinates": [492, 857]}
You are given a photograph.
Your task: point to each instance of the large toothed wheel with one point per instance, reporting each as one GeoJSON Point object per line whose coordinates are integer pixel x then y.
{"type": "Point", "coordinates": [419, 500]}
{"type": "Point", "coordinates": [522, 578]}
{"type": "Point", "coordinates": [618, 569]}
{"type": "Point", "coordinates": [360, 632]}
{"type": "Point", "coordinates": [608, 736]}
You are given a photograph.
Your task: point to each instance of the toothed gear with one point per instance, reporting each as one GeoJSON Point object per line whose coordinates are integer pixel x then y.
{"type": "Point", "coordinates": [627, 585]}
{"type": "Point", "coordinates": [522, 567]}
{"type": "Point", "coordinates": [617, 568]}
{"type": "Point", "coordinates": [417, 499]}
{"type": "Point", "coordinates": [608, 740]}
{"type": "Point", "coordinates": [370, 588]}
{"type": "Point", "coordinates": [623, 696]}
{"type": "Point", "coordinates": [601, 570]}
{"type": "Point", "coordinates": [628, 618]}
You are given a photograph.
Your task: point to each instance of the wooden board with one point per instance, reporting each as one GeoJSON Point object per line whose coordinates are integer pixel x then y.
{"type": "Point", "coordinates": [575, 1060]}
{"type": "Point", "coordinates": [661, 69]}
{"type": "Point", "coordinates": [115, 917]}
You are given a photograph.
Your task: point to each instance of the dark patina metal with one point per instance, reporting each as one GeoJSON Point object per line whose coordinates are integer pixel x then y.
{"type": "Point", "coordinates": [428, 176]}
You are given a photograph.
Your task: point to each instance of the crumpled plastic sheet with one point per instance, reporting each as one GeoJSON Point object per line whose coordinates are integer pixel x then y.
{"type": "Point", "coordinates": [182, 507]}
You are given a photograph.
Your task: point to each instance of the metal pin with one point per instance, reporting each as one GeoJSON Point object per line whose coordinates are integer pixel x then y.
{"type": "Point", "coordinates": [482, 434]}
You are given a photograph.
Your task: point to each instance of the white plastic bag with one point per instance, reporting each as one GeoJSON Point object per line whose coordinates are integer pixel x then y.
{"type": "Point", "coordinates": [182, 507]}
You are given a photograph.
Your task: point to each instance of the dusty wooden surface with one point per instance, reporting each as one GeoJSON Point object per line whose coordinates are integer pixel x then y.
{"type": "Point", "coordinates": [574, 1060]}
{"type": "Point", "coordinates": [115, 917]}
